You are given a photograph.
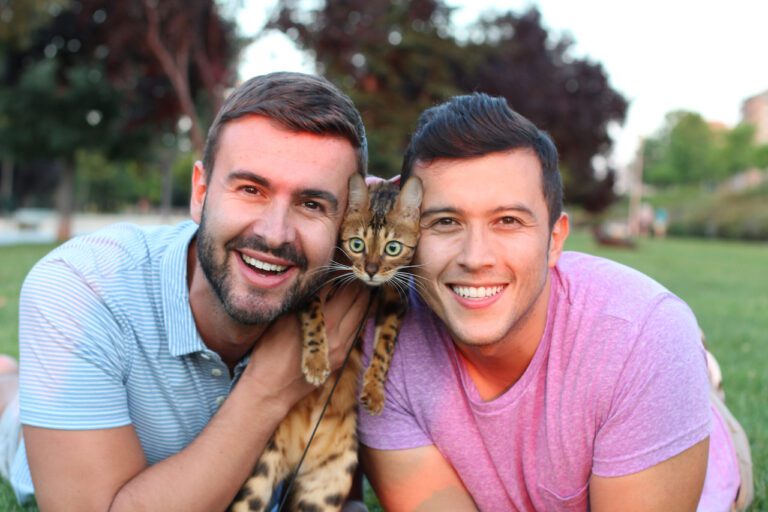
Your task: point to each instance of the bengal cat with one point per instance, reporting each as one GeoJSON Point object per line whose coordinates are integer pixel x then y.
{"type": "Point", "coordinates": [378, 235]}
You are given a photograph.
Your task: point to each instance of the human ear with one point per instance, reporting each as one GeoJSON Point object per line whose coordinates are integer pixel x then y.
{"type": "Point", "coordinates": [199, 189]}
{"type": "Point", "coordinates": [557, 239]}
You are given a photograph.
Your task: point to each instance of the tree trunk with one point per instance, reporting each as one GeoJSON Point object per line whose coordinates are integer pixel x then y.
{"type": "Point", "coordinates": [167, 183]}
{"type": "Point", "coordinates": [65, 200]}
{"type": "Point", "coordinates": [6, 185]}
{"type": "Point", "coordinates": [176, 69]}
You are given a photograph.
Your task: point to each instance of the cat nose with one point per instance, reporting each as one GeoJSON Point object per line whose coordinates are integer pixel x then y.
{"type": "Point", "coordinates": [371, 268]}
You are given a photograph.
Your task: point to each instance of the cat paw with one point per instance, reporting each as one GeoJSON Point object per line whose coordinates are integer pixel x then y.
{"type": "Point", "coordinates": [316, 369]}
{"type": "Point", "coordinates": [372, 399]}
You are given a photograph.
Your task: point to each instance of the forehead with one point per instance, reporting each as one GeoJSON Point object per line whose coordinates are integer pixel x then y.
{"type": "Point", "coordinates": [260, 145]}
{"type": "Point", "coordinates": [488, 181]}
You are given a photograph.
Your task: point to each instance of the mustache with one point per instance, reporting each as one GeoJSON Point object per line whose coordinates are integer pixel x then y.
{"type": "Point", "coordinates": [285, 251]}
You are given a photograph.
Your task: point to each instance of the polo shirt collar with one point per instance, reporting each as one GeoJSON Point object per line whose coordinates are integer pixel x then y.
{"type": "Point", "coordinates": [183, 337]}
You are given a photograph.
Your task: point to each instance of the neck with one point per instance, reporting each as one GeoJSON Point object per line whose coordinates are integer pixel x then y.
{"type": "Point", "coordinates": [220, 333]}
{"type": "Point", "coordinates": [496, 367]}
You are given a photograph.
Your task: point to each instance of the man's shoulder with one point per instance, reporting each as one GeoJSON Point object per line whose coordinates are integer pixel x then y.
{"type": "Point", "coordinates": [607, 285]}
{"type": "Point", "coordinates": [119, 247]}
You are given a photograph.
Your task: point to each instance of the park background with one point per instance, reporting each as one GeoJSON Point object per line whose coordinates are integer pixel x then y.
{"type": "Point", "coordinates": [104, 106]}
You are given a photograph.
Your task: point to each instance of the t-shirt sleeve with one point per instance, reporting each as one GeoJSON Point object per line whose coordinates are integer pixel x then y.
{"type": "Point", "coordinates": [660, 404]}
{"type": "Point", "coordinates": [398, 427]}
{"type": "Point", "coordinates": [71, 357]}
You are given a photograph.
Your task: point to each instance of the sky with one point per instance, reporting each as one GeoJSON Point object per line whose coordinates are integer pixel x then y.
{"type": "Point", "coordinates": [706, 56]}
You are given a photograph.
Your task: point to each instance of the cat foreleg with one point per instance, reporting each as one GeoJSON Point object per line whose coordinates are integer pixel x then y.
{"type": "Point", "coordinates": [388, 319]}
{"type": "Point", "coordinates": [314, 354]}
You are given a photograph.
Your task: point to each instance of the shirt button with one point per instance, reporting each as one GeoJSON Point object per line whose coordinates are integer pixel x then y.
{"type": "Point", "coordinates": [220, 400]}
{"type": "Point", "coordinates": [216, 372]}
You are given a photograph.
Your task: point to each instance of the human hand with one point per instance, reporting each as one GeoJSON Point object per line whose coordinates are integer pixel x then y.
{"type": "Point", "coordinates": [275, 364]}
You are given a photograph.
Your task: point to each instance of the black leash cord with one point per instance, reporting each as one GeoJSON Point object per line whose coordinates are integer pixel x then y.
{"type": "Point", "coordinates": [295, 474]}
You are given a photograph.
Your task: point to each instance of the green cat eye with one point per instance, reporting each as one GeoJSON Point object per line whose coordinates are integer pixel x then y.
{"type": "Point", "coordinates": [393, 248]}
{"type": "Point", "coordinates": [356, 244]}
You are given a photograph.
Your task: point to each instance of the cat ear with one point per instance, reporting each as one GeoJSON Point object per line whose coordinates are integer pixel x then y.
{"type": "Point", "coordinates": [358, 193]}
{"type": "Point", "coordinates": [410, 195]}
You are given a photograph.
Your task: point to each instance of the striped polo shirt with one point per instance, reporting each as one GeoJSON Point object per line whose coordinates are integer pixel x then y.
{"type": "Point", "coordinates": [107, 339]}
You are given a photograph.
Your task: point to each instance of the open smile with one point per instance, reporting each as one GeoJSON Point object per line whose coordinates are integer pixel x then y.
{"type": "Point", "coordinates": [263, 266]}
{"type": "Point", "coordinates": [477, 292]}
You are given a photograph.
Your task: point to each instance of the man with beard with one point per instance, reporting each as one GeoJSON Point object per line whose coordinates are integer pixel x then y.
{"type": "Point", "coordinates": [132, 339]}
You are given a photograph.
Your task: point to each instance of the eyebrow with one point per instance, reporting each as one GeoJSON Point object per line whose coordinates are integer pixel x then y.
{"type": "Point", "coordinates": [501, 209]}
{"type": "Point", "coordinates": [308, 193]}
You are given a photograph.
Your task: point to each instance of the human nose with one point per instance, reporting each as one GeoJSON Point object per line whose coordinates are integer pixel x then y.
{"type": "Point", "coordinates": [275, 225]}
{"type": "Point", "coordinates": [477, 251]}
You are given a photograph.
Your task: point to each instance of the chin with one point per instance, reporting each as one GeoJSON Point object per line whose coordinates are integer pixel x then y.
{"type": "Point", "coordinates": [477, 337]}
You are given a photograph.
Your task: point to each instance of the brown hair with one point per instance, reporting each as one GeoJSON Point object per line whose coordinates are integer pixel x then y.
{"type": "Point", "coordinates": [296, 101]}
{"type": "Point", "coordinates": [475, 125]}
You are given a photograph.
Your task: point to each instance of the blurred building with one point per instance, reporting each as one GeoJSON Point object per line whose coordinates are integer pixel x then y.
{"type": "Point", "coordinates": [754, 110]}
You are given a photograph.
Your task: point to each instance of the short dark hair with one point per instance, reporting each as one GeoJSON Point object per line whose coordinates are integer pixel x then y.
{"type": "Point", "coordinates": [297, 102]}
{"type": "Point", "coordinates": [475, 125]}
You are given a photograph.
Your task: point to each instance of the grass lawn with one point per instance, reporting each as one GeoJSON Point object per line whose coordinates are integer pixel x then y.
{"type": "Point", "coordinates": [725, 283]}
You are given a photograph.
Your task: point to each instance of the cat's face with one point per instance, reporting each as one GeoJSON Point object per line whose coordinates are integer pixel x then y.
{"type": "Point", "coordinates": [381, 230]}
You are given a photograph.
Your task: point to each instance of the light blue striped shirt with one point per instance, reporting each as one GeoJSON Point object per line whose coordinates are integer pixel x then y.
{"type": "Point", "coordinates": [107, 339]}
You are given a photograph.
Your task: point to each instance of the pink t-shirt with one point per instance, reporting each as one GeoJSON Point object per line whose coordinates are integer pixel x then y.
{"type": "Point", "coordinates": [617, 384]}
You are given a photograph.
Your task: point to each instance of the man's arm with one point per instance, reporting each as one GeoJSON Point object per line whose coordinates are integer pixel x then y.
{"type": "Point", "coordinates": [415, 479]}
{"type": "Point", "coordinates": [674, 484]}
{"type": "Point", "coordinates": [105, 469]}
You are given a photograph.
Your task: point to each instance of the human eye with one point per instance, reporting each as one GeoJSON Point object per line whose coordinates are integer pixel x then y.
{"type": "Point", "coordinates": [313, 205]}
{"type": "Point", "coordinates": [442, 224]}
{"type": "Point", "coordinates": [510, 222]}
{"type": "Point", "coordinates": [250, 190]}
{"type": "Point", "coordinates": [445, 222]}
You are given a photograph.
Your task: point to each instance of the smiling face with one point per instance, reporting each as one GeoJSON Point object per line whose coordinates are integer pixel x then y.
{"type": "Point", "coordinates": [269, 216]}
{"type": "Point", "coordinates": [486, 247]}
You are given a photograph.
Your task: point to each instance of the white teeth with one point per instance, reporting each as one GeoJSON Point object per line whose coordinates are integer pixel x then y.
{"type": "Point", "coordinates": [262, 265]}
{"type": "Point", "coordinates": [471, 292]}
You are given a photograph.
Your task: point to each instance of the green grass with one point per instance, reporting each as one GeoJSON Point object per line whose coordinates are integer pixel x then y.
{"type": "Point", "coordinates": [725, 283]}
{"type": "Point", "coordinates": [15, 262]}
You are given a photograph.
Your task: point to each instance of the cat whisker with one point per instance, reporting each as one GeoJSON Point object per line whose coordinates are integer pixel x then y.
{"type": "Point", "coordinates": [412, 266]}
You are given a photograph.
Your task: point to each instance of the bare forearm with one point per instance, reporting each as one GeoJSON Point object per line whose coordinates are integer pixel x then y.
{"type": "Point", "coordinates": [207, 474]}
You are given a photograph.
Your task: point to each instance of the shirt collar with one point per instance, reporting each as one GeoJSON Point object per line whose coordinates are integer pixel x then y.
{"type": "Point", "coordinates": [183, 337]}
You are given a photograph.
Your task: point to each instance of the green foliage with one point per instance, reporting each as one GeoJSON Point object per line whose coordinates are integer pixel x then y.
{"type": "Point", "coordinates": [19, 19]}
{"type": "Point", "coordinates": [396, 58]}
{"type": "Point", "coordinates": [45, 118]}
{"type": "Point", "coordinates": [733, 215]}
{"type": "Point", "coordinates": [110, 186]}
{"type": "Point", "coordinates": [688, 150]}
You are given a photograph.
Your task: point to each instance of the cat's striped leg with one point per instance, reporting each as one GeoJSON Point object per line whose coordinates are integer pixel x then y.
{"type": "Point", "coordinates": [327, 485]}
{"type": "Point", "coordinates": [389, 316]}
{"type": "Point", "coordinates": [314, 355]}
{"type": "Point", "coordinates": [257, 491]}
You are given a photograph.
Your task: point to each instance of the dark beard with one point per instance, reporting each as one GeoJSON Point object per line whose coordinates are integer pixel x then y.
{"type": "Point", "coordinates": [218, 274]}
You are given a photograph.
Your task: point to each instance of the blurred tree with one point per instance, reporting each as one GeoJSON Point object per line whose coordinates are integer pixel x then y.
{"type": "Point", "coordinates": [515, 57]}
{"type": "Point", "coordinates": [737, 151]}
{"type": "Point", "coordinates": [688, 149]}
{"type": "Point", "coordinates": [146, 63]}
{"type": "Point", "coordinates": [683, 151]}
{"type": "Point", "coordinates": [396, 58]}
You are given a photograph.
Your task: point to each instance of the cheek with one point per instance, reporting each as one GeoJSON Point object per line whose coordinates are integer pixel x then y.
{"type": "Point", "coordinates": [318, 241]}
